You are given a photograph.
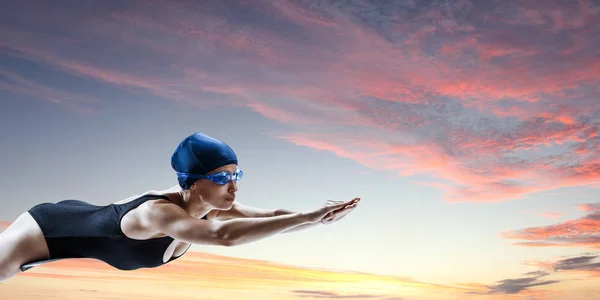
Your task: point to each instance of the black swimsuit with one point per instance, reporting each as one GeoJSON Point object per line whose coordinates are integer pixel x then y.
{"type": "Point", "coordinates": [77, 229]}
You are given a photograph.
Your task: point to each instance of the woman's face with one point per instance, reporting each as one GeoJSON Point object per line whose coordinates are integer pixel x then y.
{"type": "Point", "coordinates": [217, 196]}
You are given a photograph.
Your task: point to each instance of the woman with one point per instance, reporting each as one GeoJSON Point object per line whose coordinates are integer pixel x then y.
{"type": "Point", "coordinates": [155, 228]}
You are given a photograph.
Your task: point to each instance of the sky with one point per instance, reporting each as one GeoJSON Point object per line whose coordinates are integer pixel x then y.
{"type": "Point", "coordinates": [469, 129]}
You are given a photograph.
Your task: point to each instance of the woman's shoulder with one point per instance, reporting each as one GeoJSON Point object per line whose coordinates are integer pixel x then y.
{"type": "Point", "coordinates": [166, 193]}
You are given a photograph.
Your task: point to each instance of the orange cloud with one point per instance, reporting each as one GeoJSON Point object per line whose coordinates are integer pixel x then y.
{"type": "Point", "coordinates": [217, 277]}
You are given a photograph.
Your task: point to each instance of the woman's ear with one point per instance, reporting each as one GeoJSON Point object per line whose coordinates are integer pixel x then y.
{"type": "Point", "coordinates": [195, 186]}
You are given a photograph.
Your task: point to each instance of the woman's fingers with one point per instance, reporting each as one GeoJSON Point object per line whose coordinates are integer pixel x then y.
{"type": "Point", "coordinates": [337, 215]}
{"type": "Point", "coordinates": [338, 201]}
{"type": "Point", "coordinates": [339, 209]}
{"type": "Point", "coordinates": [331, 202]}
{"type": "Point", "coordinates": [352, 205]}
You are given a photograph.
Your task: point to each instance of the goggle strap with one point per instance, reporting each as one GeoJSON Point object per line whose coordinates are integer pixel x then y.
{"type": "Point", "coordinates": [191, 175]}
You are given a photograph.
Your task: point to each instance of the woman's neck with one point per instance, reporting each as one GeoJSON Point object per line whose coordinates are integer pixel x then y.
{"type": "Point", "coordinates": [195, 209]}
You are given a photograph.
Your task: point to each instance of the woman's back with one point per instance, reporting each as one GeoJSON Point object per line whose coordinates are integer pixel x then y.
{"type": "Point", "coordinates": [76, 229]}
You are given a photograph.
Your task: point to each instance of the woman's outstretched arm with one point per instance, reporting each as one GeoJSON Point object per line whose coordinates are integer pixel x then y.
{"type": "Point", "coordinates": [331, 217]}
{"type": "Point", "coordinates": [282, 212]}
{"type": "Point", "coordinates": [240, 210]}
{"type": "Point", "coordinates": [172, 220]}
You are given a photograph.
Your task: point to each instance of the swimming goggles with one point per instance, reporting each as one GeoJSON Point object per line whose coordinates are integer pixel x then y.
{"type": "Point", "coordinates": [220, 178]}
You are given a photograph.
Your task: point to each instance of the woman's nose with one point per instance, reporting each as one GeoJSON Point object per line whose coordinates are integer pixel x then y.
{"type": "Point", "coordinates": [233, 185]}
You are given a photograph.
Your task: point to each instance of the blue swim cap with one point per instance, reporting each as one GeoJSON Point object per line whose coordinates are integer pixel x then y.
{"type": "Point", "coordinates": [199, 154]}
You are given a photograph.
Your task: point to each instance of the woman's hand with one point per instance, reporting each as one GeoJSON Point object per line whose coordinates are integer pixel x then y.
{"type": "Point", "coordinates": [330, 206]}
{"type": "Point", "coordinates": [339, 214]}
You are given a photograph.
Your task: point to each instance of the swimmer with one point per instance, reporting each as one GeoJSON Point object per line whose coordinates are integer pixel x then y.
{"type": "Point", "coordinates": [157, 227]}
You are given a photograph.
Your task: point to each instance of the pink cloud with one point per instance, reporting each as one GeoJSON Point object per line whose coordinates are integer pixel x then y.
{"type": "Point", "coordinates": [302, 16]}
{"type": "Point", "coordinates": [461, 181]}
{"type": "Point", "coordinates": [583, 232]}
{"type": "Point", "coordinates": [589, 207]}
{"type": "Point", "coordinates": [19, 85]}
{"type": "Point", "coordinates": [461, 100]}
{"type": "Point", "coordinates": [155, 85]}
{"type": "Point", "coordinates": [4, 225]}
{"type": "Point", "coordinates": [551, 215]}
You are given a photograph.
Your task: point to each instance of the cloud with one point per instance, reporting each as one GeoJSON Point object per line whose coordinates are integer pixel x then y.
{"type": "Point", "coordinates": [4, 224]}
{"type": "Point", "coordinates": [330, 295]}
{"type": "Point", "coordinates": [518, 285]}
{"type": "Point", "coordinates": [156, 86]}
{"type": "Point", "coordinates": [551, 215]}
{"type": "Point", "coordinates": [577, 263]}
{"type": "Point", "coordinates": [582, 232]}
{"type": "Point", "coordinates": [514, 286]}
{"type": "Point", "coordinates": [537, 273]}
{"type": "Point", "coordinates": [461, 180]}
{"type": "Point", "coordinates": [586, 264]}
{"type": "Point", "coordinates": [589, 207]}
{"type": "Point", "coordinates": [219, 276]}
{"type": "Point", "coordinates": [16, 84]}
{"type": "Point", "coordinates": [316, 294]}
{"type": "Point", "coordinates": [493, 107]}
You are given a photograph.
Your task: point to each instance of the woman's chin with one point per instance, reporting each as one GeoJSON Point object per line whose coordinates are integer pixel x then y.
{"type": "Point", "coordinates": [228, 203]}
